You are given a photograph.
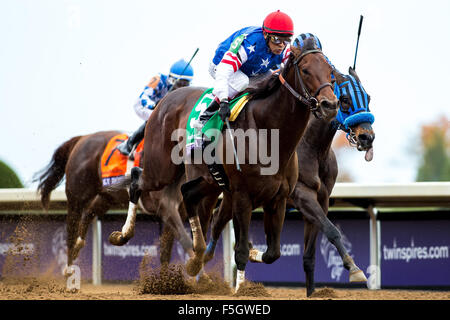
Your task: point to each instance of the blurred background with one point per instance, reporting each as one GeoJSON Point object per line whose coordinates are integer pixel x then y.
{"type": "Point", "coordinates": [75, 67]}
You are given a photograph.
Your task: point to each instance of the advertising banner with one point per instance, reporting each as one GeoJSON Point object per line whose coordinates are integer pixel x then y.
{"type": "Point", "coordinates": [412, 252]}
{"type": "Point", "coordinates": [415, 253]}
{"type": "Point", "coordinates": [123, 262]}
{"type": "Point", "coordinates": [328, 268]}
{"type": "Point", "coordinates": [32, 247]}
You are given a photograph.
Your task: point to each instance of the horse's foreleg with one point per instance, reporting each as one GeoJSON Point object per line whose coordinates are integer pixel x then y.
{"type": "Point", "coordinates": [334, 236]}
{"type": "Point", "coordinates": [72, 222]}
{"type": "Point", "coordinates": [171, 213]}
{"type": "Point", "coordinates": [309, 256]}
{"type": "Point", "coordinates": [306, 202]}
{"type": "Point", "coordinates": [167, 238]}
{"type": "Point", "coordinates": [119, 238]}
{"type": "Point", "coordinates": [193, 192]}
{"type": "Point", "coordinates": [219, 221]}
{"type": "Point", "coordinates": [273, 225]}
{"type": "Point", "coordinates": [241, 212]}
{"type": "Point", "coordinates": [174, 229]}
{"type": "Point", "coordinates": [98, 207]}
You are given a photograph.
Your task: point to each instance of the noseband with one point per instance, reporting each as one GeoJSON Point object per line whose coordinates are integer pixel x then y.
{"type": "Point", "coordinates": [305, 97]}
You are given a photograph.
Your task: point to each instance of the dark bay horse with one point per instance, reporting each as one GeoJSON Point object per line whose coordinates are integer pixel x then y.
{"type": "Point", "coordinates": [78, 160]}
{"type": "Point", "coordinates": [278, 106]}
{"type": "Point", "coordinates": [317, 172]}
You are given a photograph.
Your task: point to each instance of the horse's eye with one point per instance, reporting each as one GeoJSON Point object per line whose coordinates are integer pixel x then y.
{"type": "Point", "coordinates": [345, 103]}
{"type": "Point", "coordinates": [305, 72]}
{"type": "Point", "coordinates": [344, 100]}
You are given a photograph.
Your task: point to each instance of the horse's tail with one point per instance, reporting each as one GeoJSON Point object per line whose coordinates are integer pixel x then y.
{"type": "Point", "coordinates": [52, 175]}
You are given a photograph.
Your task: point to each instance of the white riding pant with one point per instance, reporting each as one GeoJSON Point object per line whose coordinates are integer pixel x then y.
{"type": "Point", "coordinates": [237, 82]}
{"type": "Point", "coordinates": [143, 112]}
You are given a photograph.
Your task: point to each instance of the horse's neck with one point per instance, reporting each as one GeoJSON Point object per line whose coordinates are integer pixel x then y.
{"type": "Point", "coordinates": [319, 135]}
{"type": "Point", "coordinates": [281, 111]}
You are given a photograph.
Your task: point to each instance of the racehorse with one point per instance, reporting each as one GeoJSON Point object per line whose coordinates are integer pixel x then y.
{"type": "Point", "coordinates": [275, 105]}
{"type": "Point", "coordinates": [79, 160]}
{"type": "Point", "coordinates": [317, 175]}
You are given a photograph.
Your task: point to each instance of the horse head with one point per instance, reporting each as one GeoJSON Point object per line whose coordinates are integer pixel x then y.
{"type": "Point", "coordinates": [313, 77]}
{"type": "Point", "coordinates": [354, 116]}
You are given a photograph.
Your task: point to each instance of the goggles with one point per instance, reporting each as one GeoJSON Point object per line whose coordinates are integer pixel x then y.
{"type": "Point", "coordinates": [279, 40]}
{"type": "Point", "coordinates": [171, 80]}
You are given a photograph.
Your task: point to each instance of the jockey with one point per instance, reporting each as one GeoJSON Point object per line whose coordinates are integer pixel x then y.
{"type": "Point", "coordinates": [247, 53]}
{"type": "Point", "coordinates": [180, 75]}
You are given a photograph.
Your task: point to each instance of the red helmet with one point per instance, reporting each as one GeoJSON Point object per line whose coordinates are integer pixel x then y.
{"type": "Point", "coordinates": [278, 22]}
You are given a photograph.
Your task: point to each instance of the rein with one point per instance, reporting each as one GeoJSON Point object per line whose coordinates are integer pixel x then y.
{"type": "Point", "coordinates": [350, 134]}
{"type": "Point", "coordinates": [305, 97]}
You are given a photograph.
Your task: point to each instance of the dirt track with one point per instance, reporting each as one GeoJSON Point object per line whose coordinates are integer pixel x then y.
{"type": "Point", "coordinates": [170, 283]}
{"type": "Point", "coordinates": [55, 290]}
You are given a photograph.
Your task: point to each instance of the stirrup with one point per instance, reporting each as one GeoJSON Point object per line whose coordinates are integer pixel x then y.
{"type": "Point", "coordinates": [132, 152]}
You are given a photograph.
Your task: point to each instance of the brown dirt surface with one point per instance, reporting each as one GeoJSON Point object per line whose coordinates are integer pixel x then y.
{"type": "Point", "coordinates": [215, 289]}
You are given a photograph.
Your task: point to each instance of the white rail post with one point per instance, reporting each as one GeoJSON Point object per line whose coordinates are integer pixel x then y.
{"type": "Point", "coordinates": [374, 282]}
{"type": "Point", "coordinates": [97, 252]}
{"type": "Point", "coordinates": [228, 254]}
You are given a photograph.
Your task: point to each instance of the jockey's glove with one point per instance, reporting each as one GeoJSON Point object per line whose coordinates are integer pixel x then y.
{"type": "Point", "coordinates": [224, 111]}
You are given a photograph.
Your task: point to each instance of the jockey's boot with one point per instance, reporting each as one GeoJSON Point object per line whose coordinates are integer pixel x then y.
{"type": "Point", "coordinates": [126, 147]}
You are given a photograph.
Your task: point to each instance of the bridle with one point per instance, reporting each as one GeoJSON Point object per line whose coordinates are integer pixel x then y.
{"type": "Point", "coordinates": [305, 97]}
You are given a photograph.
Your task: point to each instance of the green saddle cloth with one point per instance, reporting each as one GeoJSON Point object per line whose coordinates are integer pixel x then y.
{"type": "Point", "coordinates": [213, 123]}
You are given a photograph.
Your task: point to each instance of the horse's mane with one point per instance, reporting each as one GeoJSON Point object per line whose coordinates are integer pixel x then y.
{"type": "Point", "coordinates": [263, 87]}
{"type": "Point", "coordinates": [268, 84]}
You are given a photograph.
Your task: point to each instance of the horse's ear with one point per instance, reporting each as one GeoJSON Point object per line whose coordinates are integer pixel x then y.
{"type": "Point", "coordinates": [352, 72]}
{"type": "Point", "coordinates": [339, 76]}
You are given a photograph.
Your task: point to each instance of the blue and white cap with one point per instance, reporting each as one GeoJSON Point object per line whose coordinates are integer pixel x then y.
{"type": "Point", "coordinates": [181, 70]}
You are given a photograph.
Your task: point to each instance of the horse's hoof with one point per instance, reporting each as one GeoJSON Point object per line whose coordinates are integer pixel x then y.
{"type": "Point", "coordinates": [73, 290]}
{"type": "Point", "coordinates": [357, 276]}
{"type": "Point", "coordinates": [309, 292]}
{"type": "Point", "coordinates": [255, 255]}
{"type": "Point", "coordinates": [116, 238]}
{"type": "Point", "coordinates": [68, 271]}
{"type": "Point", "coordinates": [205, 279]}
{"type": "Point", "coordinates": [193, 266]}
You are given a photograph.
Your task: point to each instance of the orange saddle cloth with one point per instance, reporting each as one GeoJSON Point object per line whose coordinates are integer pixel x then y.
{"type": "Point", "coordinates": [113, 163]}
{"type": "Point", "coordinates": [138, 153]}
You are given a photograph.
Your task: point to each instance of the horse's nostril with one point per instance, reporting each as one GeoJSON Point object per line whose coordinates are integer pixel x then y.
{"type": "Point", "coordinates": [365, 137]}
{"type": "Point", "coordinates": [328, 104]}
